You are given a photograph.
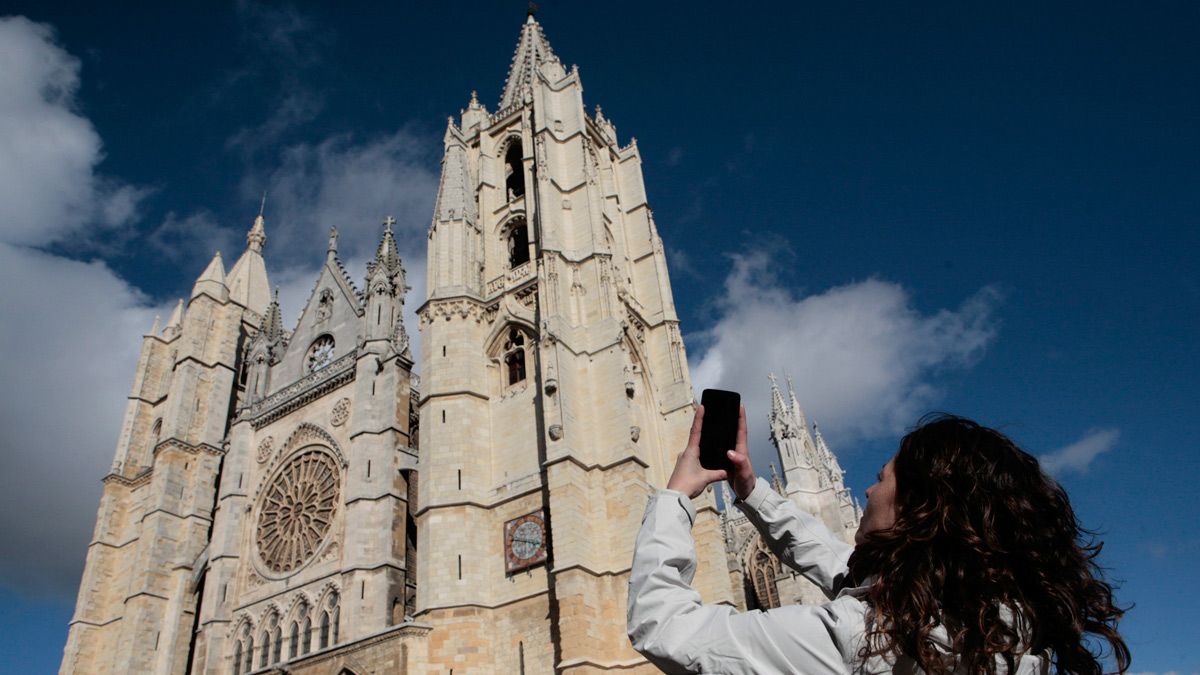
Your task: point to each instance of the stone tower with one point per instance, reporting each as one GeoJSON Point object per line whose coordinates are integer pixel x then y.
{"type": "Point", "coordinates": [137, 602]}
{"type": "Point", "coordinates": [555, 387]}
{"type": "Point", "coordinates": [310, 550]}
{"type": "Point", "coordinates": [813, 479]}
{"type": "Point", "coordinates": [264, 512]}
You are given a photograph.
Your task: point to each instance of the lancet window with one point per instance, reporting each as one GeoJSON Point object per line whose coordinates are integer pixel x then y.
{"type": "Point", "coordinates": [514, 357]}
{"type": "Point", "coordinates": [514, 171]}
{"type": "Point", "coordinates": [518, 243]}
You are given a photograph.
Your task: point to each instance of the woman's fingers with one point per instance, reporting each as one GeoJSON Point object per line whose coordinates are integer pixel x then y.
{"type": "Point", "coordinates": [697, 424]}
{"type": "Point", "coordinates": [741, 433]}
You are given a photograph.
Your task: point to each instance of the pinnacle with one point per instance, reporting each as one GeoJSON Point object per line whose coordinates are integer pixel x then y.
{"type": "Point", "coordinates": [532, 50]}
{"type": "Point", "coordinates": [387, 255]}
{"type": "Point", "coordinates": [256, 238]}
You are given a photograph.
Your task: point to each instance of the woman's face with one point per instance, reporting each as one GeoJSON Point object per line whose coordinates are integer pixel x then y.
{"type": "Point", "coordinates": [880, 513]}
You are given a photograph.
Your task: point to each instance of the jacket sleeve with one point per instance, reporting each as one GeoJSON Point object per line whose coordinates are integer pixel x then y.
{"type": "Point", "coordinates": [669, 625]}
{"type": "Point", "coordinates": [797, 538]}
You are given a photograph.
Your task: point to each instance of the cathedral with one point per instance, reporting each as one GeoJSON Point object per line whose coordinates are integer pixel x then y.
{"type": "Point", "coordinates": [299, 501]}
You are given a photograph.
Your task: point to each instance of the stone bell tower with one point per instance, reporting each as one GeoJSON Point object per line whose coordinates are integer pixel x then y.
{"type": "Point", "coordinates": [142, 581]}
{"type": "Point", "coordinates": [555, 392]}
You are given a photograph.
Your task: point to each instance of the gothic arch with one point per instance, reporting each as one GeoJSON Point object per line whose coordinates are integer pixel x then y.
{"type": "Point", "coordinates": [307, 434]}
{"type": "Point", "coordinates": [299, 604]}
{"type": "Point", "coordinates": [512, 166]}
{"type": "Point", "coordinates": [243, 622]}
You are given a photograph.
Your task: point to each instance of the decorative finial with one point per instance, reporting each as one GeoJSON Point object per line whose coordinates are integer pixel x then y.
{"type": "Point", "coordinates": [474, 99]}
{"type": "Point", "coordinates": [333, 235]}
{"type": "Point", "coordinates": [388, 223]}
{"type": "Point", "coordinates": [263, 204]}
{"type": "Point", "coordinates": [533, 8]}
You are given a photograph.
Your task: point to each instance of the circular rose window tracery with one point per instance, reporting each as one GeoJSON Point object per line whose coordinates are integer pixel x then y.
{"type": "Point", "coordinates": [297, 511]}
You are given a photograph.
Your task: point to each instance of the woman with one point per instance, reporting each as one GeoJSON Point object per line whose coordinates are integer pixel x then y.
{"type": "Point", "coordinates": [968, 559]}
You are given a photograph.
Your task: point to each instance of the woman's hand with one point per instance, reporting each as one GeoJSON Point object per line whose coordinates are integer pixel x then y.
{"type": "Point", "coordinates": [689, 477]}
{"type": "Point", "coordinates": [742, 476]}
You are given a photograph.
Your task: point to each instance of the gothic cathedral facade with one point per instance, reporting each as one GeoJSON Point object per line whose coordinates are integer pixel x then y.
{"type": "Point", "coordinates": [299, 501]}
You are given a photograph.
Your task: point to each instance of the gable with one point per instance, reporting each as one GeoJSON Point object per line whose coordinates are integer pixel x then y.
{"type": "Point", "coordinates": [333, 312]}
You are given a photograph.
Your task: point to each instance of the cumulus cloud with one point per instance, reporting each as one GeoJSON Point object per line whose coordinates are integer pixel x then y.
{"type": "Point", "coordinates": [352, 185]}
{"type": "Point", "coordinates": [863, 360]}
{"type": "Point", "coordinates": [194, 237]}
{"type": "Point", "coordinates": [1078, 456]}
{"type": "Point", "coordinates": [71, 332]}
{"type": "Point", "coordinates": [49, 187]}
{"type": "Point", "coordinates": [69, 328]}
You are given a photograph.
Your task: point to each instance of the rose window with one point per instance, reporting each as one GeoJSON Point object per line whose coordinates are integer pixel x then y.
{"type": "Point", "coordinates": [297, 511]}
{"type": "Point", "coordinates": [320, 354]}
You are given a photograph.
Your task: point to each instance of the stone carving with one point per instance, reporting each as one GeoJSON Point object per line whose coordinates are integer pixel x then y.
{"type": "Point", "coordinates": [302, 391]}
{"type": "Point", "coordinates": [266, 449]}
{"type": "Point", "coordinates": [635, 433]}
{"type": "Point", "coordinates": [556, 432]}
{"type": "Point", "coordinates": [341, 412]}
{"type": "Point", "coordinates": [297, 511]}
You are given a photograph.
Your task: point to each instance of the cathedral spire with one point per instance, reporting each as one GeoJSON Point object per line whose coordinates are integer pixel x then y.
{"type": "Point", "coordinates": [175, 322]}
{"type": "Point", "coordinates": [248, 285]}
{"type": "Point", "coordinates": [532, 50]}
{"type": "Point", "coordinates": [212, 280]}
{"type": "Point", "coordinates": [272, 323]}
{"type": "Point", "coordinates": [256, 238]}
{"type": "Point", "coordinates": [387, 255]}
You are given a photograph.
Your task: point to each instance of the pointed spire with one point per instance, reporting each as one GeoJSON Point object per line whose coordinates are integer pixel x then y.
{"type": "Point", "coordinates": [247, 282]}
{"type": "Point", "coordinates": [797, 413]}
{"type": "Point", "coordinates": [256, 238]}
{"type": "Point", "coordinates": [333, 237]}
{"type": "Point", "coordinates": [532, 50]}
{"type": "Point", "coordinates": [387, 255]}
{"type": "Point", "coordinates": [775, 482]}
{"type": "Point", "coordinates": [215, 270]}
{"type": "Point", "coordinates": [175, 323]}
{"type": "Point", "coordinates": [154, 328]}
{"type": "Point", "coordinates": [272, 323]}
{"type": "Point", "coordinates": [777, 405]}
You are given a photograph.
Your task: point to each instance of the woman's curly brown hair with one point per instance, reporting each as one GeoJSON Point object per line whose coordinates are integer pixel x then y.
{"type": "Point", "coordinates": [982, 534]}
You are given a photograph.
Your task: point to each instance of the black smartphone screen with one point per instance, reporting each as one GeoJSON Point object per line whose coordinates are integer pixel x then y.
{"type": "Point", "coordinates": [718, 430]}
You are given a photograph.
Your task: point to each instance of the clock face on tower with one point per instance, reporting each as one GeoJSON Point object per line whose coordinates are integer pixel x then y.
{"type": "Point", "coordinates": [524, 542]}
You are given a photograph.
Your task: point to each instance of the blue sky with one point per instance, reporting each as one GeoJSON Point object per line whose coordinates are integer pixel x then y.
{"type": "Point", "coordinates": [985, 210]}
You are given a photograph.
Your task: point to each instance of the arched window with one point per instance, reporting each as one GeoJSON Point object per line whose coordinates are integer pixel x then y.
{"type": "Point", "coordinates": [294, 640]}
{"type": "Point", "coordinates": [277, 637]}
{"type": "Point", "coordinates": [518, 243]}
{"type": "Point", "coordinates": [324, 641]}
{"type": "Point", "coordinates": [237, 658]}
{"type": "Point", "coordinates": [248, 664]}
{"type": "Point", "coordinates": [264, 658]}
{"type": "Point", "coordinates": [514, 357]}
{"type": "Point", "coordinates": [320, 354]}
{"type": "Point", "coordinates": [514, 171]}
{"type": "Point", "coordinates": [155, 434]}
{"type": "Point", "coordinates": [764, 568]}
{"type": "Point", "coordinates": [306, 641]}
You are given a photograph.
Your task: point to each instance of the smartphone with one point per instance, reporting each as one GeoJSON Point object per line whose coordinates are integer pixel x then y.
{"type": "Point", "coordinates": [718, 430]}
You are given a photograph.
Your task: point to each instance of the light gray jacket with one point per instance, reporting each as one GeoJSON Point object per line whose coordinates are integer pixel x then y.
{"type": "Point", "coordinates": [669, 625]}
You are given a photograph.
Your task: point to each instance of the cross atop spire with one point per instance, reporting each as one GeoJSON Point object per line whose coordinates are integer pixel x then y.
{"type": "Point", "coordinates": [532, 51]}
{"type": "Point", "coordinates": [387, 255]}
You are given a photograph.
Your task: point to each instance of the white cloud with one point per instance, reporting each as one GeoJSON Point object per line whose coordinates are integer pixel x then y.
{"type": "Point", "coordinates": [1079, 455]}
{"type": "Point", "coordinates": [862, 358]}
{"type": "Point", "coordinates": [70, 332]}
{"type": "Point", "coordinates": [49, 187]}
{"type": "Point", "coordinates": [195, 237]}
{"type": "Point", "coordinates": [353, 186]}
